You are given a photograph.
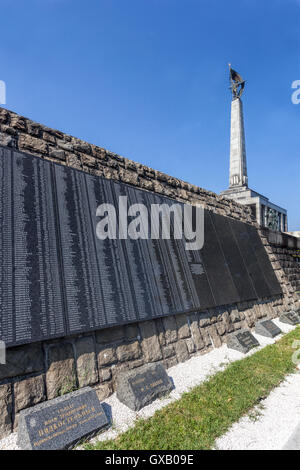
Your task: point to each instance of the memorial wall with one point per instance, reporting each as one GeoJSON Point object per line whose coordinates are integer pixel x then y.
{"type": "Point", "coordinates": [59, 279]}
{"type": "Point", "coordinates": [47, 216]}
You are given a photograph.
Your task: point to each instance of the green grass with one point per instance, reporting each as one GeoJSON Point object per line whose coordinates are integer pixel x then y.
{"type": "Point", "coordinates": [202, 415]}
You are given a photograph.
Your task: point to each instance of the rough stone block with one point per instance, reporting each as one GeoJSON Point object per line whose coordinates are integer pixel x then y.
{"type": "Point", "coordinates": [170, 362]}
{"type": "Point", "coordinates": [150, 344]}
{"type": "Point", "coordinates": [57, 153]}
{"type": "Point", "coordinates": [49, 137]}
{"type": "Point", "coordinates": [160, 331]}
{"type": "Point", "coordinates": [183, 326]}
{"type": "Point", "coordinates": [196, 335]}
{"type": "Point", "coordinates": [86, 361]}
{"type": "Point", "coordinates": [221, 329]}
{"type": "Point", "coordinates": [6, 410]}
{"type": "Point", "coordinates": [61, 375]}
{"type": "Point", "coordinates": [190, 345]}
{"type": "Point", "coordinates": [237, 326]}
{"type": "Point", "coordinates": [117, 369]}
{"type": "Point", "coordinates": [18, 122]}
{"type": "Point", "coordinates": [227, 322]}
{"type": "Point", "coordinates": [104, 390]}
{"type": "Point", "coordinates": [128, 352]}
{"type": "Point", "coordinates": [168, 351]}
{"type": "Point", "coordinates": [206, 337]}
{"type": "Point", "coordinates": [104, 374]}
{"type": "Point", "coordinates": [4, 115]}
{"type": "Point", "coordinates": [170, 328]}
{"type": "Point", "coordinates": [27, 142]}
{"type": "Point", "coordinates": [135, 364]}
{"type": "Point", "coordinates": [106, 356]}
{"type": "Point", "coordinates": [88, 161]}
{"type": "Point", "coordinates": [234, 315]}
{"type": "Point", "coordinates": [81, 146]}
{"type": "Point", "coordinates": [212, 331]}
{"type": "Point", "coordinates": [7, 140]}
{"type": "Point", "coordinates": [74, 161]}
{"type": "Point", "coordinates": [250, 318]}
{"type": "Point", "coordinates": [67, 146]}
{"type": "Point", "coordinates": [29, 392]}
{"type": "Point", "coordinates": [34, 128]}
{"type": "Point", "coordinates": [204, 319]}
{"type": "Point", "coordinates": [181, 351]}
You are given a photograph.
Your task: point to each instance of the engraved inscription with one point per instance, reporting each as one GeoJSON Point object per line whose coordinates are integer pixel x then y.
{"type": "Point", "coordinates": [61, 422]}
{"type": "Point", "coordinates": [57, 278]}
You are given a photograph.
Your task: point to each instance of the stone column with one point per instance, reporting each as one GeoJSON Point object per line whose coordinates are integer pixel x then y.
{"type": "Point", "coordinates": [238, 162]}
{"type": "Point", "coordinates": [280, 221]}
{"type": "Point", "coordinates": [260, 214]}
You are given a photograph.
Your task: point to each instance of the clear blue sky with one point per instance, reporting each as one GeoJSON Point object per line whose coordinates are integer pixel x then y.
{"type": "Point", "coordinates": [148, 79]}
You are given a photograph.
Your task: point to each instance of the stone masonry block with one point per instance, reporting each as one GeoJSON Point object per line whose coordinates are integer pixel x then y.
{"type": "Point", "coordinates": [183, 326]}
{"type": "Point", "coordinates": [128, 352]}
{"type": "Point", "coordinates": [150, 344]}
{"type": "Point", "coordinates": [170, 328]}
{"type": "Point", "coordinates": [60, 375]}
{"type": "Point", "coordinates": [86, 361]}
{"type": "Point", "coordinates": [6, 410]}
{"type": "Point", "coordinates": [29, 392]}
{"type": "Point", "coordinates": [27, 142]}
{"type": "Point", "coordinates": [106, 356]}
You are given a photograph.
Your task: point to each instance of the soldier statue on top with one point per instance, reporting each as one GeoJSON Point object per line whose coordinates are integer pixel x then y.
{"type": "Point", "coordinates": [237, 84]}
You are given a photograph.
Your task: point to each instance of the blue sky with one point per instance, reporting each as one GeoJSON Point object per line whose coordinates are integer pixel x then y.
{"type": "Point", "coordinates": [148, 79]}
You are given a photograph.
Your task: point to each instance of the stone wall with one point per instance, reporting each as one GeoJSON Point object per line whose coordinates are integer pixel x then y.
{"type": "Point", "coordinates": [28, 136]}
{"type": "Point", "coordinates": [285, 250]}
{"type": "Point", "coordinates": [42, 371]}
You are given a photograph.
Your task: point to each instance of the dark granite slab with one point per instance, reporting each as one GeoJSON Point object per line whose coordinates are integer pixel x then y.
{"type": "Point", "coordinates": [62, 422]}
{"type": "Point", "coordinates": [267, 328]}
{"type": "Point", "coordinates": [139, 387]}
{"type": "Point", "coordinates": [291, 318]}
{"type": "Point", "coordinates": [242, 341]}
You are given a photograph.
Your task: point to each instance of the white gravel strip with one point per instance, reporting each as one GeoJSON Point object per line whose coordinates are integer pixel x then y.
{"type": "Point", "coordinates": [185, 376]}
{"type": "Point", "coordinates": [270, 425]}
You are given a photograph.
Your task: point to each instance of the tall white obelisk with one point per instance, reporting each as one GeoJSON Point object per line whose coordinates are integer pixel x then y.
{"type": "Point", "coordinates": [261, 208]}
{"type": "Point", "coordinates": [238, 162]}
